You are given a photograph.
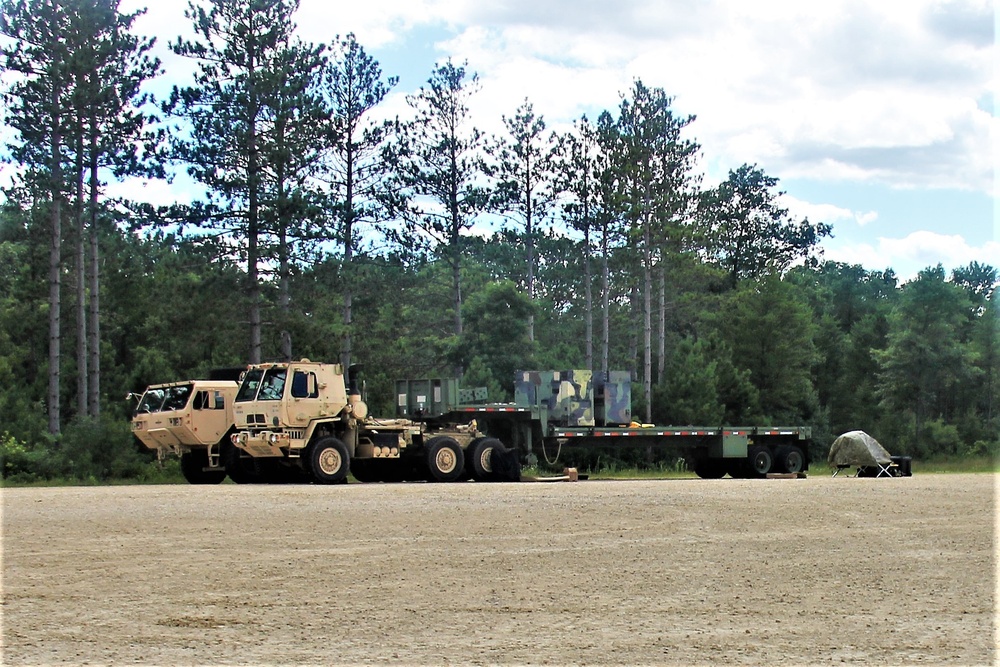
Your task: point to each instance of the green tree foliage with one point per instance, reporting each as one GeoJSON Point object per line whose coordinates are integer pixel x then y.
{"type": "Point", "coordinates": [523, 169]}
{"type": "Point", "coordinates": [770, 330]}
{"type": "Point", "coordinates": [575, 165]}
{"type": "Point", "coordinates": [656, 167]}
{"type": "Point", "coordinates": [926, 363]}
{"type": "Point", "coordinates": [693, 394]}
{"type": "Point", "coordinates": [497, 335]}
{"type": "Point", "coordinates": [440, 164]}
{"type": "Point", "coordinates": [75, 109]}
{"type": "Point", "coordinates": [750, 234]}
{"type": "Point", "coordinates": [357, 169]}
{"type": "Point", "coordinates": [241, 45]}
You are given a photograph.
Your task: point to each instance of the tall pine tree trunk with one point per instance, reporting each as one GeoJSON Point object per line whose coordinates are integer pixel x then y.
{"type": "Point", "coordinates": [55, 273]}
{"type": "Point", "coordinates": [661, 361]}
{"type": "Point", "coordinates": [529, 229]}
{"type": "Point", "coordinates": [347, 272]}
{"type": "Point", "coordinates": [605, 302]}
{"type": "Point", "coordinates": [647, 325]}
{"type": "Point", "coordinates": [253, 218]}
{"type": "Point", "coordinates": [94, 330]}
{"type": "Point", "coordinates": [635, 317]}
{"type": "Point", "coordinates": [456, 267]}
{"type": "Point", "coordinates": [284, 268]}
{"type": "Point", "coordinates": [284, 294]}
{"type": "Point", "coordinates": [80, 275]}
{"type": "Point", "coordinates": [589, 298]}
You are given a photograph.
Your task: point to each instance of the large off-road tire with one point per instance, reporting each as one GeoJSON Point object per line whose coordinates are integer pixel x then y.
{"type": "Point", "coordinates": [506, 464]}
{"type": "Point", "coordinates": [241, 469]}
{"type": "Point", "coordinates": [759, 461]}
{"type": "Point", "coordinates": [277, 471]}
{"type": "Point", "coordinates": [329, 461]}
{"type": "Point", "coordinates": [789, 458]}
{"type": "Point", "coordinates": [478, 458]}
{"type": "Point", "coordinates": [193, 466]}
{"type": "Point", "coordinates": [445, 459]}
{"type": "Point", "coordinates": [738, 468]}
{"type": "Point", "coordinates": [366, 470]}
{"type": "Point", "coordinates": [707, 468]}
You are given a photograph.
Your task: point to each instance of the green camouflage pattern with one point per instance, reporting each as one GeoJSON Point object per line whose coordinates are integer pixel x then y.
{"type": "Point", "coordinates": [614, 398]}
{"type": "Point", "coordinates": [577, 397]}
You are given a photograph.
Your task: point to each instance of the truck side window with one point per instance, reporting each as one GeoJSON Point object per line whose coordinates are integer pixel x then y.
{"type": "Point", "coordinates": [220, 401]}
{"type": "Point", "coordinates": [201, 400]}
{"type": "Point", "coordinates": [304, 385]}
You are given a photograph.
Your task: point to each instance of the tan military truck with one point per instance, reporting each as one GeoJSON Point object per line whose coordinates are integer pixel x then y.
{"type": "Point", "coordinates": [304, 415]}
{"type": "Point", "coordinates": [192, 419]}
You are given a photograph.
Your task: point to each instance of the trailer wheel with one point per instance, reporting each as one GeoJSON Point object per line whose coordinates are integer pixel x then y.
{"type": "Point", "coordinates": [737, 468]}
{"type": "Point", "coordinates": [445, 459]}
{"type": "Point", "coordinates": [710, 468]}
{"type": "Point", "coordinates": [789, 458]}
{"type": "Point", "coordinates": [760, 461]}
{"type": "Point", "coordinates": [193, 466]}
{"type": "Point", "coordinates": [479, 458]}
{"type": "Point", "coordinates": [329, 461]}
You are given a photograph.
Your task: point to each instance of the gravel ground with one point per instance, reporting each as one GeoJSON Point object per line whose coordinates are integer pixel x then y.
{"type": "Point", "coordinates": [810, 571]}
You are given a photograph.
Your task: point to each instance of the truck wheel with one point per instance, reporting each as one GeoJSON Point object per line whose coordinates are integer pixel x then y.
{"type": "Point", "coordinates": [445, 459]}
{"type": "Point", "coordinates": [506, 464]}
{"type": "Point", "coordinates": [478, 458]}
{"type": "Point", "coordinates": [760, 461]}
{"type": "Point", "coordinates": [193, 466]}
{"type": "Point", "coordinates": [364, 470]}
{"type": "Point", "coordinates": [710, 468]}
{"type": "Point", "coordinates": [329, 461]}
{"type": "Point", "coordinates": [789, 458]}
{"type": "Point", "coordinates": [240, 470]}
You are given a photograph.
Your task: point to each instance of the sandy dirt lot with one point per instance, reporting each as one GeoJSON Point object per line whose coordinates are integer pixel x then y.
{"type": "Point", "coordinates": [683, 572]}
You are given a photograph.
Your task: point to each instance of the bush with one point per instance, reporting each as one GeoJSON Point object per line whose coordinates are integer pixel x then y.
{"type": "Point", "coordinates": [100, 449]}
{"type": "Point", "coordinates": [984, 448]}
{"type": "Point", "coordinates": [88, 451]}
{"type": "Point", "coordinates": [14, 458]}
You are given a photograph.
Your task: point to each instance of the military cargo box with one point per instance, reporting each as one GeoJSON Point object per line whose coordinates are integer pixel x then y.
{"type": "Point", "coordinates": [577, 398]}
{"type": "Point", "coordinates": [421, 398]}
{"type": "Point", "coordinates": [613, 398]}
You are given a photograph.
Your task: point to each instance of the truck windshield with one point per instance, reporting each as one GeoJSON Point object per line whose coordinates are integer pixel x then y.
{"type": "Point", "coordinates": [262, 385]}
{"type": "Point", "coordinates": [251, 382]}
{"type": "Point", "coordinates": [273, 385]}
{"type": "Point", "coordinates": [164, 398]}
{"type": "Point", "coordinates": [151, 401]}
{"type": "Point", "coordinates": [176, 398]}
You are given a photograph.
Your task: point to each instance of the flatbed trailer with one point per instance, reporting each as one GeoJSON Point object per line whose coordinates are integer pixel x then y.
{"type": "Point", "coordinates": [554, 410]}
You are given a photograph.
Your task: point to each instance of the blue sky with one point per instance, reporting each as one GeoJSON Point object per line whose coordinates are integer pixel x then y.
{"type": "Point", "coordinates": [878, 118]}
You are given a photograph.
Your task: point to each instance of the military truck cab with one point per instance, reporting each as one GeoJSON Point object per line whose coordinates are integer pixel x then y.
{"type": "Point", "coordinates": [310, 417]}
{"type": "Point", "coordinates": [191, 419]}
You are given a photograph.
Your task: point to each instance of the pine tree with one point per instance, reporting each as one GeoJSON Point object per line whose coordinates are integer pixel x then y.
{"type": "Point", "coordinates": [522, 165]}
{"type": "Point", "coordinates": [357, 169]}
{"type": "Point", "coordinates": [441, 164]}
{"type": "Point", "coordinates": [240, 44]}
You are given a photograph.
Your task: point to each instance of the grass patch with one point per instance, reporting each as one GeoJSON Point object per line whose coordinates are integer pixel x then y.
{"type": "Point", "coordinates": [965, 464]}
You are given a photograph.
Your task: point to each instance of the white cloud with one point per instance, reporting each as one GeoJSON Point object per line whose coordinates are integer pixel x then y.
{"type": "Point", "coordinates": [828, 213]}
{"type": "Point", "coordinates": [845, 90]}
{"type": "Point", "coordinates": [914, 252]}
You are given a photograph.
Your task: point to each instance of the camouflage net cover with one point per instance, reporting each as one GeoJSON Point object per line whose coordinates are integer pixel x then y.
{"type": "Point", "coordinates": [857, 448]}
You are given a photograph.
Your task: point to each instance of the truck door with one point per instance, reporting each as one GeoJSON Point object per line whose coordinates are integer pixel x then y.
{"type": "Point", "coordinates": [304, 394]}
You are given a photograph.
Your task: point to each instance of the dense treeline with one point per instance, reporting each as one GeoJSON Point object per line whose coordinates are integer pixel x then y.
{"type": "Point", "coordinates": [327, 233]}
